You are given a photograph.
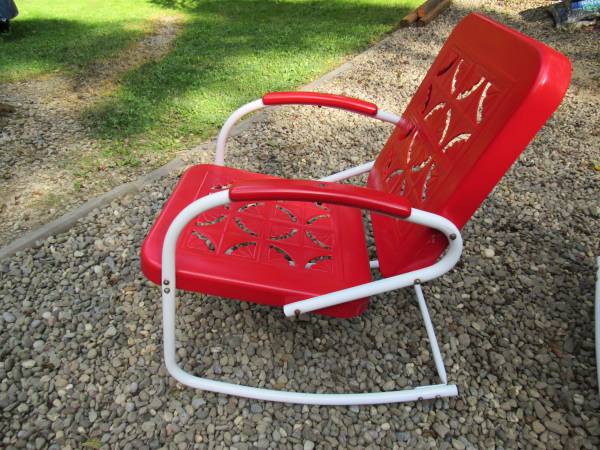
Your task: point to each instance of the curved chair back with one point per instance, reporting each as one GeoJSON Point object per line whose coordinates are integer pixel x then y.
{"type": "Point", "coordinates": [485, 97]}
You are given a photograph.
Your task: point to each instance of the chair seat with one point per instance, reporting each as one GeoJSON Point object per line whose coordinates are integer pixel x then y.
{"type": "Point", "coordinates": [272, 253]}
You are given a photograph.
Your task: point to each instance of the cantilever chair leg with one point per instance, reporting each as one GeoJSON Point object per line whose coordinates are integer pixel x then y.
{"type": "Point", "coordinates": [169, 322]}
{"type": "Point", "coordinates": [435, 349]}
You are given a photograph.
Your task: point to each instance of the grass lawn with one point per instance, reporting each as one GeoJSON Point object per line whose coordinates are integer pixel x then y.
{"type": "Point", "coordinates": [64, 35]}
{"type": "Point", "coordinates": [230, 52]}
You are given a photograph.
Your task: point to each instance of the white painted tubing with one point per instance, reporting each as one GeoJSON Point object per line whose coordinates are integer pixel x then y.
{"type": "Point", "coordinates": [352, 172]}
{"type": "Point", "coordinates": [435, 349]}
{"type": "Point", "coordinates": [168, 288]}
{"type": "Point", "coordinates": [385, 116]}
{"type": "Point", "coordinates": [229, 124]}
{"type": "Point", "coordinates": [446, 263]}
{"type": "Point", "coordinates": [255, 105]}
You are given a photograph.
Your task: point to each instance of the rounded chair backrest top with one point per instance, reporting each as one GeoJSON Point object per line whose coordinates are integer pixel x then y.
{"type": "Point", "coordinates": [486, 95]}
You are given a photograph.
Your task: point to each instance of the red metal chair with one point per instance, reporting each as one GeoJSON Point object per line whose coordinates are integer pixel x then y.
{"type": "Point", "coordinates": [299, 244]}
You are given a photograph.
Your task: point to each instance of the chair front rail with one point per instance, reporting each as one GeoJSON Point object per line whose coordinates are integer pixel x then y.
{"type": "Point", "coordinates": [168, 289]}
{"type": "Point", "coordinates": [447, 262]}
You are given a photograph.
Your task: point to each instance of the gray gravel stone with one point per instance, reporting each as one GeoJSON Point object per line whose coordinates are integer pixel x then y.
{"type": "Point", "coordinates": [82, 359]}
{"type": "Point", "coordinates": [556, 427]}
{"type": "Point", "coordinates": [441, 430]}
{"type": "Point", "coordinates": [309, 445]}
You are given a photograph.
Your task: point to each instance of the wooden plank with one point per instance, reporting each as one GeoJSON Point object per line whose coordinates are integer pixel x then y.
{"type": "Point", "coordinates": [409, 19]}
{"type": "Point", "coordinates": [439, 8]}
{"type": "Point", "coordinates": [427, 7]}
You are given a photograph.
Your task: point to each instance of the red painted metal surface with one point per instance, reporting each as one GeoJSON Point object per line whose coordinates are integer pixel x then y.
{"type": "Point", "coordinates": [319, 99]}
{"type": "Point", "coordinates": [485, 97]}
{"type": "Point", "coordinates": [317, 191]}
{"type": "Point", "coordinates": [270, 252]}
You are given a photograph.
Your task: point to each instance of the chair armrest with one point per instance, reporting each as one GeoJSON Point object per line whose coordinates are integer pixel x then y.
{"type": "Point", "coordinates": [304, 98]}
{"type": "Point", "coordinates": [319, 99]}
{"type": "Point", "coordinates": [319, 191]}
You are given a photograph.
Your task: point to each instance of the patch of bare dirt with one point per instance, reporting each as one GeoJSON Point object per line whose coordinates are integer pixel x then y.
{"type": "Point", "coordinates": [42, 139]}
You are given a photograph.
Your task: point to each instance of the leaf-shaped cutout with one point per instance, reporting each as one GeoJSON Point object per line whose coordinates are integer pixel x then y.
{"type": "Point", "coordinates": [482, 101]}
{"type": "Point", "coordinates": [426, 183]}
{"type": "Point", "coordinates": [456, 140]}
{"type": "Point", "coordinates": [287, 235]}
{"type": "Point", "coordinates": [220, 187]}
{"type": "Point", "coordinates": [318, 217]}
{"type": "Point", "coordinates": [287, 212]}
{"type": "Point", "coordinates": [285, 255]}
{"type": "Point", "coordinates": [435, 109]}
{"type": "Point", "coordinates": [410, 147]}
{"type": "Point", "coordinates": [446, 68]}
{"type": "Point", "coordinates": [427, 98]}
{"type": "Point", "coordinates": [209, 244]}
{"type": "Point", "coordinates": [211, 222]}
{"type": "Point", "coordinates": [311, 262]}
{"type": "Point", "coordinates": [446, 125]}
{"type": "Point", "coordinates": [239, 246]}
{"type": "Point", "coordinates": [316, 241]}
{"type": "Point", "coordinates": [455, 76]}
{"type": "Point", "coordinates": [242, 226]}
{"type": "Point", "coordinates": [420, 167]}
{"type": "Point", "coordinates": [394, 174]}
{"type": "Point", "coordinates": [466, 93]}
{"type": "Point", "coordinates": [249, 205]}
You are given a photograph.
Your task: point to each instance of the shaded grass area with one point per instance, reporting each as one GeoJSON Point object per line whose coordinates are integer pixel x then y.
{"type": "Point", "coordinates": [231, 52]}
{"type": "Point", "coordinates": [65, 35]}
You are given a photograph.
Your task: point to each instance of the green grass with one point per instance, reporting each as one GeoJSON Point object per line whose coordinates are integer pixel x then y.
{"type": "Point", "coordinates": [230, 52]}
{"type": "Point", "coordinates": [65, 35]}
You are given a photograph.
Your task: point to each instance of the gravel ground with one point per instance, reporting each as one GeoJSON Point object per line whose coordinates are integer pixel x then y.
{"type": "Point", "coordinates": [80, 327]}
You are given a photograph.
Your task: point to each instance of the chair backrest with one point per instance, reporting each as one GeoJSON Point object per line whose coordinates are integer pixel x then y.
{"type": "Point", "coordinates": [485, 97]}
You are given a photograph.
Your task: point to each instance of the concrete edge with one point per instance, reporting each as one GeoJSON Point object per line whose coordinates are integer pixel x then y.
{"type": "Point", "coordinates": [69, 219]}
{"type": "Point", "coordinates": [66, 221]}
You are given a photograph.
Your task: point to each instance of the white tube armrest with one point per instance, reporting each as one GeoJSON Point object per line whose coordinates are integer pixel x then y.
{"type": "Point", "coordinates": [260, 103]}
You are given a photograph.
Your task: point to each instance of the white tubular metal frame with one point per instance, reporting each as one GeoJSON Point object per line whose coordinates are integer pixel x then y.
{"type": "Point", "coordinates": [414, 278]}
{"type": "Point", "coordinates": [255, 105]}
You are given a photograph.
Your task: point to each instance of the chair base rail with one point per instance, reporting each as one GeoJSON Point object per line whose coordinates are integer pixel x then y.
{"type": "Point", "coordinates": [169, 302]}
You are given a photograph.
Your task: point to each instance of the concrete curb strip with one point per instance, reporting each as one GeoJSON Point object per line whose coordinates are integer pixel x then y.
{"type": "Point", "coordinates": [66, 221]}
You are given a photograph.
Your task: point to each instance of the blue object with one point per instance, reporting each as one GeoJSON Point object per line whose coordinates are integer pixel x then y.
{"type": "Point", "coordinates": [8, 10]}
{"type": "Point", "coordinates": [575, 13]}
{"type": "Point", "coordinates": [586, 5]}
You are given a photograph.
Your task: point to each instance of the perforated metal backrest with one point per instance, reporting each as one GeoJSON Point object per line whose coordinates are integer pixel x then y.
{"type": "Point", "coordinates": [485, 97]}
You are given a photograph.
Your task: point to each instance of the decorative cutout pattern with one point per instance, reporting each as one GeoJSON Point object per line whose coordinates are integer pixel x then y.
{"type": "Point", "coordinates": [205, 239]}
{"type": "Point", "coordinates": [211, 222]}
{"type": "Point", "coordinates": [313, 238]}
{"type": "Point", "coordinates": [452, 104]}
{"type": "Point", "coordinates": [285, 234]}
{"type": "Point", "coordinates": [243, 227]}
{"type": "Point", "coordinates": [312, 262]}
{"type": "Point", "coordinates": [285, 255]}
